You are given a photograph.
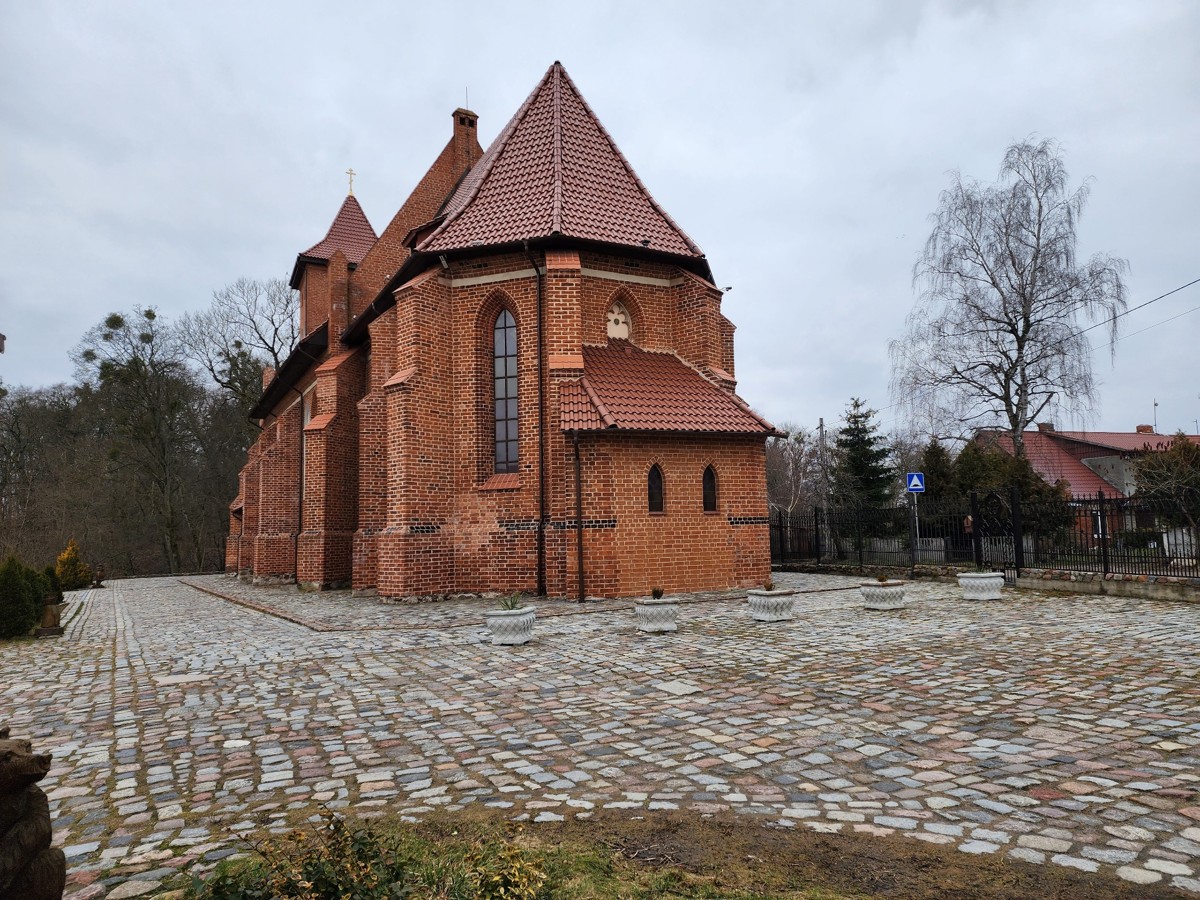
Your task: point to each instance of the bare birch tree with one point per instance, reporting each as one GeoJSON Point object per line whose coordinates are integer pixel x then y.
{"type": "Point", "coordinates": [995, 337]}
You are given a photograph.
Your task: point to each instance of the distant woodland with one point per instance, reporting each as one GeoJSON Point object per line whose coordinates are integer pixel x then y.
{"type": "Point", "coordinates": [137, 459]}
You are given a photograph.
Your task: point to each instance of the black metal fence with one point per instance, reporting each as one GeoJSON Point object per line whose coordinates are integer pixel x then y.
{"type": "Point", "coordinates": [1103, 534]}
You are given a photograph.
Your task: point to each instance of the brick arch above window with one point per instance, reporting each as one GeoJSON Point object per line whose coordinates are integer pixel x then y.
{"type": "Point", "coordinates": [489, 309]}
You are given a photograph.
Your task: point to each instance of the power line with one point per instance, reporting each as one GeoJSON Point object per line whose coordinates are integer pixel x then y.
{"type": "Point", "coordinates": [1139, 306]}
{"type": "Point", "coordinates": [1156, 324]}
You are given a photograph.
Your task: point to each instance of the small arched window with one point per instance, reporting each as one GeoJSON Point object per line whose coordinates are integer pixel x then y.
{"type": "Point", "coordinates": [619, 325]}
{"type": "Point", "coordinates": [710, 489]}
{"type": "Point", "coordinates": [654, 489]}
{"type": "Point", "coordinates": [504, 369]}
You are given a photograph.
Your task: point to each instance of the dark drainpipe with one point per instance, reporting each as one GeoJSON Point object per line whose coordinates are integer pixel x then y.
{"type": "Point", "coordinates": [578, 515]}
{"type": "Point", "coordinates": [299, 494]}
{"type": "Point", "coordinates": [541, 525]}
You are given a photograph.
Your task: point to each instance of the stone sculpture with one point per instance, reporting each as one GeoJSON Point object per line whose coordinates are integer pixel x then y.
{"type": "Point", "coordinates": [51, 619]}
{"type": "Point", "coordinates": [30, 869]}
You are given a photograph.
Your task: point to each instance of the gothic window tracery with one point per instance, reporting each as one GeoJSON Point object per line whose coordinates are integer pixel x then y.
{"type": "Point", "coordinates": [619, 324]}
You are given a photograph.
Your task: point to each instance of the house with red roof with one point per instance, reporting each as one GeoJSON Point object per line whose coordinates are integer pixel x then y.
{"type": "Point", "coordinates": [523, 383]}
{"type": "Point", "coordinates": [1087, 461]}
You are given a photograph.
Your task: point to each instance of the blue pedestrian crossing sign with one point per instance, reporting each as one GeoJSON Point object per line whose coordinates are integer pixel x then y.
{"type": "Point", "coordinates": [916, 482]}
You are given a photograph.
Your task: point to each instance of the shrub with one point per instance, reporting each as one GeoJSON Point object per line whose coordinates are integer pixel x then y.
{"type": "Point", "coordinates": [344, 861]}
{"type": "Point", "coordinates": [19, 605]}
{"type": "Point", "coordinates": [72, 572]}
{"type": "Point", "coordinates": [505, 873]}
{"type": "Point", "coordinates": [656, 593]}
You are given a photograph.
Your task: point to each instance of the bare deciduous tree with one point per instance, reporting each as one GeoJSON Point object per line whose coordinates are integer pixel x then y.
{"type": "Point", "coordinates": [795, 479]}
{"type": "Point", "coordinates": [995, 335]}
{"type": "Point", "coordinates": [250, 324]}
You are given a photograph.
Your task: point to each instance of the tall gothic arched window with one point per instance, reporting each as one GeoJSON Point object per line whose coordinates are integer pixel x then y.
{"type": "Point", "coordinates": [654, 489]}
{"type": "Point", "coordinates": [504, 369]}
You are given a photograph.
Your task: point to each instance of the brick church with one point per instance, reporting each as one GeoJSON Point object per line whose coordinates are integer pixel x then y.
{"type": "Point", "coordinates": [524, 383]}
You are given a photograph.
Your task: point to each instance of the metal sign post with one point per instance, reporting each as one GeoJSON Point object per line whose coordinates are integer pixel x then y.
{"type": "Point", "coordinates": [915, 484]}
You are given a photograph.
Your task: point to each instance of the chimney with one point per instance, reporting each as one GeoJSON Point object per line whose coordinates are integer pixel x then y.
{"type": "Point", "coordinates": [1045, 426]}
{"type": "Point", "coordinates": [466, 137]}
{"type": "Point", "coordinates": [1145, 429]}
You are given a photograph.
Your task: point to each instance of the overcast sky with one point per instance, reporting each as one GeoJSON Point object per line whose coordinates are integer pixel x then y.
{"type": "Point", "coordinates": [153, 152]}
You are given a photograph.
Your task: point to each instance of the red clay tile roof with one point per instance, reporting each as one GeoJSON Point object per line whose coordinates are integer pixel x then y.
{"type": "Point", "coordinates": [350, 232]}
{"type": "Point", "coordinates": [1052, 461]}
{"type": "Point", "coordinates": [1057, 455]}
{"type": "Point", "coordinates": [632, 389]}
{"type": "Point", "coordinates": [554, 170]}
{"type": "Point", "coordinates": [1121, 440]}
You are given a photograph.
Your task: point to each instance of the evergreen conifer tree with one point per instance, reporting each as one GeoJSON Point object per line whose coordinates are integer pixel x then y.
{"type": "Point", "coordinates": [73, 573]}
{"type": "Point", "coordinates": [938, 467]}
{"type": "Point", "coordinates": [861, 474]}
{"type": "Point", "coordinates": [17, 609]}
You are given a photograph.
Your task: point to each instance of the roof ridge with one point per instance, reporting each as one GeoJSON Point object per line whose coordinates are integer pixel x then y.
{"type": "Point", "coordinates": [692, 245]}
{"type": "Point", "coordinates": [606, 417]}
{"type": "Point", "coordinates": [556, 204]}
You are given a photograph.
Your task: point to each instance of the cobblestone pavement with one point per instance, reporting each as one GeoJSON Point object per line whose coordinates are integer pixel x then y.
{"type": "Point", "coordinates": [1056, 730]}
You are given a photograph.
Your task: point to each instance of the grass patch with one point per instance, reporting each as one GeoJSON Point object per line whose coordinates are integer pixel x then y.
{"type": "Point", "coordinates": [479, 854]}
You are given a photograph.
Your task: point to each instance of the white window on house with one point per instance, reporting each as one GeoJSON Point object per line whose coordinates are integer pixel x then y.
{"type": "Point", "coordinates": [619, 325]}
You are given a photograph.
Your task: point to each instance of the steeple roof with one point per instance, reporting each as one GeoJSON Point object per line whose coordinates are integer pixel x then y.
{"type": "Point", "coordinates": [554, 171]}
{"type": "Point", "coordinates": [350, 232]}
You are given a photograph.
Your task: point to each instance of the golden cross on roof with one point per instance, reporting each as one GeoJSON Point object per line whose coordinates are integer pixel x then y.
{"type": "Point", "coordinates": [351, 173]}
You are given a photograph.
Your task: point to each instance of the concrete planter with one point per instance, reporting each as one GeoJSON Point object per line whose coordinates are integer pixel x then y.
{"type": "Point", "coordinates": [511, 626]}
{"type": "Point", "coordinates": [883, 594]}
{"type": "Point", "coordinates": [656, 615]}
{"type": "Point", "coordinates": [770, 606]}
{"type": "Point", "coordinates": [981, 585]}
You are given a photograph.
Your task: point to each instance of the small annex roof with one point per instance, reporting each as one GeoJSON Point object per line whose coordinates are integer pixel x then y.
{"type": "Point", "coordinates": [625, 387]}
{"type": "Point", "coordinates": [350, 233]}
{"type": "Point", "coordinates": [554, 171]}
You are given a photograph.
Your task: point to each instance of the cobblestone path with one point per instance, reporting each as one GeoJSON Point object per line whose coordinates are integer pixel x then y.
{"type": "Point", "coordinates": [1056, 730]}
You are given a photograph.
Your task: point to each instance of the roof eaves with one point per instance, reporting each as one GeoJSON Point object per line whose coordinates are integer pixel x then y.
{"type": "Point", "coordinates": [303, 260]}
{"type": "Point", "coordinates": [302, 357]}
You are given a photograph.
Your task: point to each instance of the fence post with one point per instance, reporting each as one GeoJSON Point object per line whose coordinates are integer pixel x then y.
{"type": "Point", "coordinates": [1018, 530]}
{"type": "Point", "coordinates": [912, 534]}
{"type": "Point", "coordinates": [858, 540]}
{"type": "Point", "coordinates": [976, 531]}
{"type": "Point", "coordinates": [817, 531]}
{"type": "Point", "coordinates": [1103, 531]}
